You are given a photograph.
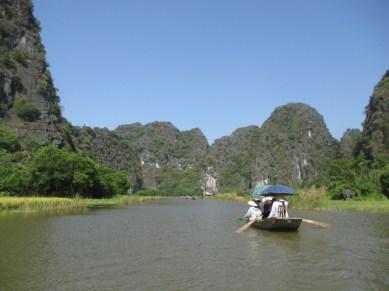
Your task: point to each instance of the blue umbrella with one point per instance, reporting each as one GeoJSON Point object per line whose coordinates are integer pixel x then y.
{"type": "Point", "coordinates": [257, 192]}
{"type": "Point", "coordinates": [278, 189]}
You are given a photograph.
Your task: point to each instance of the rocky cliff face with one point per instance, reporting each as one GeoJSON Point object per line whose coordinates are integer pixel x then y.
{"type": "Point", "coordinates": [28, 99]}
{"type": "Point", "coordinates": [349, 143]}
{"type": "Point", "coordinates": [231, 158]}
{"type": "Point", "coordinates": [295, 145]}
{"type": "Point", "coordinates": [375, 143]}
{"type": "Point", "coordinates": [161, 144]}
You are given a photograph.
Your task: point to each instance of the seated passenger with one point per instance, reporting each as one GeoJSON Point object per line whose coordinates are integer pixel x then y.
{"type": "Point", "coordinates": [253, 212]}
{"type": "Point", "coordinates": [279, 209]}
{"type": "Point", "coordinates": [266, 205]}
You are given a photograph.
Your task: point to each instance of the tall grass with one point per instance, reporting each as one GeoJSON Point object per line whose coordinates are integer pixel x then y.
{"type": "Point", "coordinates": [311, 198]}
{"type": "Point", "coordinates": [318, 199]}
{"type": "Point", "coordinates": [36, 203]}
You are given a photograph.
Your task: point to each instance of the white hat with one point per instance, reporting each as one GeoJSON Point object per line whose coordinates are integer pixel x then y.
{"type": "Point", "coordinates": [252, 203]}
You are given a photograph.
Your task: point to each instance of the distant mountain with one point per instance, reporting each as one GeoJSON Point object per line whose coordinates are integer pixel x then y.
{"type": "Point", "coordinates": [375, 143]}
{"type": "Point", "coordinates": [232, 158]}
{"type": "Point", "coordinates": [294, 146]}
{"type": "Point", "coordinates": [161, 144]}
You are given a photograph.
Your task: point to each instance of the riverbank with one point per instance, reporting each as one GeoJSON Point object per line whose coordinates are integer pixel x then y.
{"type": "Point", "coordinates": [307, 201]}
{"type": "Point", "coordinates": [36, 203]}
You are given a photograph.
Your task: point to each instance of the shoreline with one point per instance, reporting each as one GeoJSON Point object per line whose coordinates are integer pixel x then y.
{"type": "Point", "coordinates": [10, 203]}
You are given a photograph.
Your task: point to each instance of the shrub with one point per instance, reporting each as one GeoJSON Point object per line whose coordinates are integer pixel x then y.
{"type": "Point", "coordinates": [20, 56]}
{"type": "Point", "coordinates": [26, 110]}
{"type": "Point", "coordinates": [9, 140]}
{"type": "Point", "coordinates": [178, 182]}
{"type": "Point", "coordinates": [384, 181]}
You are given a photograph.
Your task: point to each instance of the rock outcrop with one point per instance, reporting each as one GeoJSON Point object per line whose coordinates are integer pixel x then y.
{"type": "Point", "coordinates": [294, 146]}
{"type": "Point", "coordinates": [375, 142]}
{"type": "Point", "coordinates": [28, 98]}
{"type": "Point", "coordinates": [349, 143]}
{"type": "Point", "coordinates": [232, 157]}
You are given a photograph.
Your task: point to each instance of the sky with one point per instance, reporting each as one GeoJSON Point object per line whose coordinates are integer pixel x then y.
{"type": "Point", "coordinates": [213, 64]}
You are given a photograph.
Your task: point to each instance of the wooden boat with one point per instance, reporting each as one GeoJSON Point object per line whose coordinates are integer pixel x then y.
{"type": "Point", "coordinates": [278, 224]}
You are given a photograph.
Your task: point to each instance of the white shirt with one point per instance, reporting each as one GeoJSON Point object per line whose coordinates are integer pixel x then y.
{"type": "Point", "coordinates": [252, 213]}
{"type": "Point", "coordinates": [278, 210]}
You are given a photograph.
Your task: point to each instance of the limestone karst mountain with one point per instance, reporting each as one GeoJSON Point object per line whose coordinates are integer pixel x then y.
{"type": "Point", "coordinates": [375, 143]}
{"type": "Point", "coordinates": [161, 144]}
{"type": "Point", "coordinates": [293, 145]}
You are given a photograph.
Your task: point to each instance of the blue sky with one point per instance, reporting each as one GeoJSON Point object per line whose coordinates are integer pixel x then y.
{"type": "Point", "coordinates": [213, 64]}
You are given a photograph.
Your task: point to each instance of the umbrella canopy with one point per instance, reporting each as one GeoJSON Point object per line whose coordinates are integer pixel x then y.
{"type": "Point", "coordinates": [257, 192]}
{"type": "Point", "coordinates": [278, 189]}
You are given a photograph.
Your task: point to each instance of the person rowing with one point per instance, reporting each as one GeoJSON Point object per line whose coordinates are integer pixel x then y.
{"type": "Point", "coordinates": [254, 212]}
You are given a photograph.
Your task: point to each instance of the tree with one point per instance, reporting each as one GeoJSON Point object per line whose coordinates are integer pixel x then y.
{"type": "Point", "coordinates": [51, 171]}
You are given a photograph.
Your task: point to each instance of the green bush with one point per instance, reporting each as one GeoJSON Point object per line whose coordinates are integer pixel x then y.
{"type": "Point", "coordinates": [359, 175]}
{"type": "Point", "coordinates": [55, 171]}
{"type": "Point", "coordinates": [14, 176]}
{"type": "Point", "coordinates": [384, 181]}
{"type": "Point", "coordinates": [111, 182]}
{"type": "Point", "coordinates": [9, 140]}
{"type": "Point", "coordinates": [174, 181]}
{"type": "Point", "coordinates": [20, 56]}
{"type": "Point", "coordinates": [26, 110]}
{"type": "Point", "coordinates": [51, 171]}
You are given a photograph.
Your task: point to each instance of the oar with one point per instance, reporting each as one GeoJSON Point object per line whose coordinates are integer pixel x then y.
{"type": "Point", "coordinates": [318, 223]}
{"type": "Point", "coordinates": [245, 226]}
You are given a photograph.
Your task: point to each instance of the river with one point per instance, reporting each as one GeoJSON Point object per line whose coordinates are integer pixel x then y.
{"type": "Point", "coordinates": [178, 244]}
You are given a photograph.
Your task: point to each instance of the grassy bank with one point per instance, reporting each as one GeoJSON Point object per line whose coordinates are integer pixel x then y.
{"type": "Point", "coordinates": [36, 203]}
{"type": "Point", "coordinates": [350, 205]}
{"type": "Point", "coordinates": [317, 199]}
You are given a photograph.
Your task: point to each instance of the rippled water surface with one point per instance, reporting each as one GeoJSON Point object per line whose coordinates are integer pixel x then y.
{"type": "Point", "coordinates": [190, 245]}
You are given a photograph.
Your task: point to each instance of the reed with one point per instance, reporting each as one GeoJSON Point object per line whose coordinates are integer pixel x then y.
{"type": "Point", "coordinates": [36, 203]}
{"type": "Point", "coordinates": [318, 199]}
{"type": "Point", "coordinates": [310, 198]}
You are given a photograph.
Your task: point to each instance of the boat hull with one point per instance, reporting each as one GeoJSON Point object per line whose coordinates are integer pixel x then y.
{"type": "Point", "coordinates": [278, 224]}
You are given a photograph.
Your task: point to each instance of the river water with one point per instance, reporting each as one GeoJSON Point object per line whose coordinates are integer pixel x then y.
{"type": "Point", "coordinates": [183, 244]}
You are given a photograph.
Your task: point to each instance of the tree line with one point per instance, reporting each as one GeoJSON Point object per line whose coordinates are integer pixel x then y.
{"type": "Point", "coordinates": [32, 169]}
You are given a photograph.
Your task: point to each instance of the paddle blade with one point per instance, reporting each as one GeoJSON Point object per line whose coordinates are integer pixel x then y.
{"type": "Point", "coordinates": [318, 223]}
{"type": "Point", "coordinates": [245, 226]}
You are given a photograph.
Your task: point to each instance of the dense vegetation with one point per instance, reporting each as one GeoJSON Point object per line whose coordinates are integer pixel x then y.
{"type": "Point", "coordinates": [48, 170]}
{"type": "Point", "coordinates": [367, 179]}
